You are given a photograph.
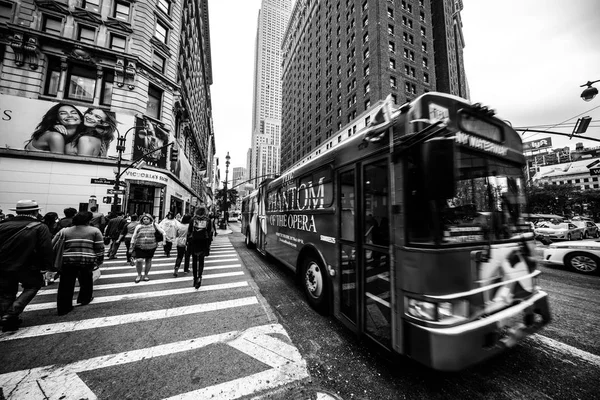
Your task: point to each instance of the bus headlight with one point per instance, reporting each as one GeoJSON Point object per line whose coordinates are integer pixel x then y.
{"type": "Point", "coordinates": [445, 312]}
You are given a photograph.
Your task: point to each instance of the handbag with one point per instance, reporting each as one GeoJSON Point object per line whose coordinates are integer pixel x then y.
{"type": "Point", "coordinates": [58, 247]}
{"type": "Point", "coordinates": [106, 240]}
{"type": "Point", "coordinates": [158, 236]}
{"type": "Point", "coordinates": [96, 273]}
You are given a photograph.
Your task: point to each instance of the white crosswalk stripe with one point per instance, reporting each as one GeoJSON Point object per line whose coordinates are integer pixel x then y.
{"type": "Point", "coordinates": [225, 289]}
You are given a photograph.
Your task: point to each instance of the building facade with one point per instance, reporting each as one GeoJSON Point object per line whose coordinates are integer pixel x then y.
{"type": "Point", "coordinates": [340, 58]}
{"type": "Point", "coordinates": [136, 75]}
{"type": "Point", "coordinates": [266, 113]}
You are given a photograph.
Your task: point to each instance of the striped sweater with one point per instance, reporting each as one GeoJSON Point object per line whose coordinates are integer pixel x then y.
{"type": "Point", "coordinates": [84, 246]}
{"type": "Point", "coordinates": [143, 236]}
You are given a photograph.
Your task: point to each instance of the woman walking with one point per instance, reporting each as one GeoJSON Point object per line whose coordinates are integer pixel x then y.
{"type": "Point", "coordinates": [199, 234]}
{"type": "Point", "coordinates": [83, 252]}
{"type": "Point", "coordinates": [181, 242]}
{"type": "Point", "coordinates": [145, 242]}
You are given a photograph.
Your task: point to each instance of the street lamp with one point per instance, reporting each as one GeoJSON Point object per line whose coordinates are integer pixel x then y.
{"type": "Point", "coordinates": [223, 224]}
{"type": "Point", "coordinates": [120, 149]}
{"type": "Point", "coordinates": [589, 92]}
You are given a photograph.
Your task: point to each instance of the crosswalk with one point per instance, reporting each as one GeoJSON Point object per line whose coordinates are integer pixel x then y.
{"type": "Point", "coordinates": [152, 330]}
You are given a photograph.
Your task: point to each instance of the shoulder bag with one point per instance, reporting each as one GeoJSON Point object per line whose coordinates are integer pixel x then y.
{"type": "Point", "coordinates": [158, 236]}
{"type": "Point", "coordinates": [58, 247]}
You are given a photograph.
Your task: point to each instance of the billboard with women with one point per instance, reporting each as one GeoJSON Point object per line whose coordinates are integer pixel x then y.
{"type": "Point", "coordinates": [149, 138]}
{"type": "Point", "coordinates": [59, 128]}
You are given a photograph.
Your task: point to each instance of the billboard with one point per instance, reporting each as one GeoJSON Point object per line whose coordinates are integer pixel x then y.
{"type": "Point", "coordinates": [149, 137]}
{"type": "Point", "coordinates": [59, 127]}
{"type": "Point", "coordinates": [537, 144]}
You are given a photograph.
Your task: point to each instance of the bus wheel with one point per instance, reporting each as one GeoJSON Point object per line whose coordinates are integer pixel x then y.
{"type": "Point", "coordinates": [314, 280]}
{"type": "Point", "coordinates": [247, 240]}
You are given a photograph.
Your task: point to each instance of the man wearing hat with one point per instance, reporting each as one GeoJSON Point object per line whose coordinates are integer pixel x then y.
{"type": "Point", "coordinates": [25, 251]}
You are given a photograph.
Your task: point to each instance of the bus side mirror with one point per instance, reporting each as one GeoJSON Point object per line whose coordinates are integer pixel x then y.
{"type": "Point", "coordinates": [439, 168]}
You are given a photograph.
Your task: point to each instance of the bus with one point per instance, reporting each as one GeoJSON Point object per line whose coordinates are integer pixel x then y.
{"type": "Point", "coordinates": [412, 232]}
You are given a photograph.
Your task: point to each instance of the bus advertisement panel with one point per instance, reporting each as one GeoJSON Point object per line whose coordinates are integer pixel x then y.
{"type": "Point", "coordinates": [412, 233]}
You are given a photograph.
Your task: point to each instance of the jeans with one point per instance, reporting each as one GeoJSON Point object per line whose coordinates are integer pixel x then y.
{"type": "Point", "coordinates": [128, 246]}
{"type": "Point", "coordinates": [114, 247]}
{"type": "Point", "coordinates": [66, 287]}
{"type": "Point", "coordinates": [12, 306]}
{"type": "Point", "coordinates": [182, 253]}
{"type": "Point", "coordinates": [198, 264]}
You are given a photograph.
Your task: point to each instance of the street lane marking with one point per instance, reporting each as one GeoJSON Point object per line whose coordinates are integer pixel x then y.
{"type": "Point", "coordinates": [143, 283]}
{"type": "Point", "coordinates": [144, 295]}
{"type": "Point", "coordinates": [129, 267]}
{"type": "Point", "coordinates": [559, 347]}
{"type": "Point", "coordinates": [103, 322]}
{"type": "Point", "coordinates": [154, 272]}
{"type": "Point", "coordinates": [61, 381]}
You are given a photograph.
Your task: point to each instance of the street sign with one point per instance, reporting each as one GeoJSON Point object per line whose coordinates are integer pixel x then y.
{"type": "Point", "coordinates": [113, 191]}
{"type": "Point", "coordinates": [104, 181]}
{"type": "Point", "coordinates": [592, 164]}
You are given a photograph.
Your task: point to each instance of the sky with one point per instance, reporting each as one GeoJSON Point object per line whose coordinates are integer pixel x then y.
{"type": "Point", "coordinates": [526, 59]}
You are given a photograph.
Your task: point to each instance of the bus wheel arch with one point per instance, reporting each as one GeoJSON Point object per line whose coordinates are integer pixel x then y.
{"type": "Point", "coordinates": [314, 278]}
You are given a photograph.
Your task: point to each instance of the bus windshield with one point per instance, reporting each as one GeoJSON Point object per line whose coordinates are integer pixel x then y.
{"type": "Point", "coordinates": [487, 205]}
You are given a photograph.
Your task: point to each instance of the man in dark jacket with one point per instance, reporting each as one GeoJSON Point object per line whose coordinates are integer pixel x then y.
{"type": "Point", "coordinates": [113, 230]}
{"type": "Point", "coordinates": [25, 251]}
{"type": "Point", "coordinates": [68, 219]}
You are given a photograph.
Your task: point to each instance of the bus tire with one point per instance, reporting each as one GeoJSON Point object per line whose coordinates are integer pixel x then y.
{"type": "Point", "coordinates": [314, 283]}
{"type": "Point", "coordinates": [247, 240]}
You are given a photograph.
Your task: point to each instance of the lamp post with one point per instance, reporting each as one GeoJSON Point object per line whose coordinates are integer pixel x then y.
{"type": "Point", "coordinates": [589, 92]}
{"type": "Point", "coordinates": [120, 149]}
{"type": "Point", "coordinates": [223, 224]}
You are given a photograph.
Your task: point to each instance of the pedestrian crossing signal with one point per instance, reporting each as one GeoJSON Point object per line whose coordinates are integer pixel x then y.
{"type": "Point", "coordinates": [174, 155]}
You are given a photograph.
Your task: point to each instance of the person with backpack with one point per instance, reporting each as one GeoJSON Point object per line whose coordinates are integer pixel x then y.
{"type": "Point", "coordinates": [146, 237]}
{"type": "Point", "coordinates": [199, 237]}
{"type": "Point", "coordinates": [25, 251]}
{"type": "Point", "coordinates": [113, 230]}
{"type": "Point", "coordinates": [127, 234]}
{"type": "Point", "coordinates": [181, 243]}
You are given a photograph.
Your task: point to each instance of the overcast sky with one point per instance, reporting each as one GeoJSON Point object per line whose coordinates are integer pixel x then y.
{"type": "Point", "coordinates": [524, 58]}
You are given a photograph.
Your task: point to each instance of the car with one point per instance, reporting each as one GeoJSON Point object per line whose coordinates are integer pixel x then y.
{"type": "Point", "coordinates": [563, 230]}
{"type": "Point", "coordinates": [582, 257]}
{"type": "Point", "coordinates": [590, 229]}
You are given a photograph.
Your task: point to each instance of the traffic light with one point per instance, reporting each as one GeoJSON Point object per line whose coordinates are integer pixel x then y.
{"type": "Point", "coordinates": [107, 199]}
{"type": "Point", "coordinates": [174, 154]}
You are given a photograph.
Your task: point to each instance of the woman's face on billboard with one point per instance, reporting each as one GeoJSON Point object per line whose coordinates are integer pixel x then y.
{"type": "Point", "coordinates": [68, 116]}
{"type": "Point", "coordinates": [94, 117]}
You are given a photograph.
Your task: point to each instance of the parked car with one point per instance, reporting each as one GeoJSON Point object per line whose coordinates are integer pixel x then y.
{"type": "Point", "coordinates": [589, 228]}
{"type": "Point", "coordinates": [582, 257]}
{"type": "Point", "coordinates": [564, 230]}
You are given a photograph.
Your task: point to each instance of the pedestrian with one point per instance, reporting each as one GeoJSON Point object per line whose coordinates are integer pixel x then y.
{"type": "Point", "coordinates": [127, 234]}
{"type": "Point", "coordinates": [98, 219]}
{"type": "Point", "coordinates": [68, 219]}
{"type": "Point", "coordinates": [199, 234]}
{"type": "Point", "coordinates": [181, 243]}
{"type": "Point", "coordinates": [83, 253]}
{"type": "Point", "coordinates": [213, 221]}
{"type": "Point", "coordinates": [178, 217]}
{"type": "Point", "coordinates": [112, 231]}
{"type": "Point", "coordinates": [51, 221]}
{"type": "Point", "coordinates": [145, 242]}
{"type": "Point", "coordinates": [25, 251]}
{"type": "Point", "coordinates": [169, 226]}
{"type": "Point", "coordinates": [2, 216]}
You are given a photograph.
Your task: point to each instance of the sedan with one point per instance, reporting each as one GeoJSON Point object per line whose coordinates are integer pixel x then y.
{"type": "Point", "coordinates": [589, 229]}
{"type": "Point", "coordinates": [564, 230]}
{"type": "Point", "coordinates": [583, 257]}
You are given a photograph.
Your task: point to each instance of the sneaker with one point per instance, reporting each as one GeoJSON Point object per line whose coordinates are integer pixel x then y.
{"type": "Point", "coordinates": [10, 324]}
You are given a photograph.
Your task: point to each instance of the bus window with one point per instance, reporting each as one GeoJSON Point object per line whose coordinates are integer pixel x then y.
{"type": "Point", "coordinates": [347, 205]}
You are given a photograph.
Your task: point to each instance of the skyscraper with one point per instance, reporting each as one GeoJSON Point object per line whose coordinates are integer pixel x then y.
{"type": "Point", "coordinates": [341, 57]}
{"type": "Point", "coordinates": [266, 116]}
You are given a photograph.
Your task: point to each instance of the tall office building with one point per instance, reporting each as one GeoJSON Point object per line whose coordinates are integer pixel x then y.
{"type": "Point", "coordinates": [139, 72]}
{"type": "Point", "coordinates": [266, 114]}
{"type": "Point", "coordinates": [340, 58]}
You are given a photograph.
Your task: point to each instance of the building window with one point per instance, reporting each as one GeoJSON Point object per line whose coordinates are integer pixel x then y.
{"type": "Point", "coordinates": [118, 42]}
{"type": "Point", "coordinates": [366, 70]}
{"type": "Point", "coordinates": [391, 30]}
{"type": "Point", "coordinates": [424, 47]}
{"type": "Point", "coordinates": [390, 13]}
{"type": "Point", "coordinates": [91, 5]}
{"type": "Point", "coordinates": [81, 83]}
{"type": "Point", "coordinates": [367, 104]}
{"type": "Point", "coordinates": [426, 77]}
{"type": "Point", "coordinates": [86, 34]}
{"type": "Point", "coordinates": [165, 6]}
{"type": "Point", "coordinates": [52, 77]}
{"type": "Point", "coordinates": [107, 87]}
{"type": "Point", "coordinates": [159, 62]}
{"type": "Point", "coordinates": [393, 82]}
{"type": "Point", "coordinates": [425, 62]}
{"type": "Point", "coordinates": [423, 32]}
{"type": "Point", "coordinates": [395, 98]}
{"type": "Point", "coordinates": [367, 87]}
{"type": "Point", "coordinates": [161, 31]}
{"type": "Point", "coordinates": [154, 104]}
{"type": "Point", "coordinates": [122, 11]}
{"type": "Point", "coordinates": [52, 25]}
{"type": "Point", "coordinates": [6, 11]}
{"type": "Point", "coordinates": [392, 63]}
{"type": "Point", "coordinates": [392, 47]}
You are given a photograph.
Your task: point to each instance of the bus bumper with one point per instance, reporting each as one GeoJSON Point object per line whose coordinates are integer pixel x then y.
{"type": "Point", "coordinates": [457, 347]}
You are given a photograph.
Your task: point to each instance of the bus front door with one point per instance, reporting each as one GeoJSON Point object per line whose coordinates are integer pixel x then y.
{"type": "Point", "coordinates": [364, 206]}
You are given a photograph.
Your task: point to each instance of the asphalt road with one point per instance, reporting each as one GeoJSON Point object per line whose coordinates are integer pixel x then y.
{"type": "Point", "coordinates": [561, 362]}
